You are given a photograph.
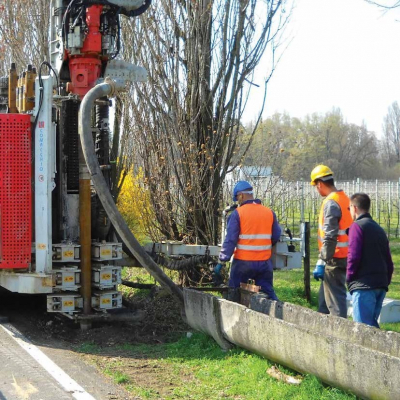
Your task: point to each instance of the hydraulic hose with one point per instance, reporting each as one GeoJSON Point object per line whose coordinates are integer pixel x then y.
{"type": "Point", "coordinates": [173, 265]}
{"type": "Point", "coordinates": [85, 133]}
{"type": "Point", "coordinates": [180, 265]}
{"type": "Point", "coordinates": [123, 6]}
{"type": "Point", "coordinates": [140, 10]}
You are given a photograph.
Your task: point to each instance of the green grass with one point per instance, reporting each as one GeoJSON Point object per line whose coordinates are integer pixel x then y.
{"type": "Point", "coordinates": [200, 370]}
{"type": "Point", "coordinates": [196, 368]}
{"type": "Point", "coordinates": [137, 275]}
{"type": "Point", "coordinates": [89, 348]}
{"type": "Point", "coordinates": [289, 287]}
{"type": "Point", "coordinates": [118, 377]}
{"type": "Point", "coordinates": [143, 393]}
{"type": "Point", "coordinates": [394, 288]}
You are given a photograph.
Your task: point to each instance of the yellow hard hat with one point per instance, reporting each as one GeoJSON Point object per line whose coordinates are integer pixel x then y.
{"type": "Point", "coordinates": [320, 171]}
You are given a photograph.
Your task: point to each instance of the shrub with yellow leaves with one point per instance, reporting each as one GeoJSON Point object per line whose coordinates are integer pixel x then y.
{"type": "Point", "coordinates": [134, 205]}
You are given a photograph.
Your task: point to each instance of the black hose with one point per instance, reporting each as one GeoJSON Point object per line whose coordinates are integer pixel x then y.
{"type": "Point", "coordinates": [140, 10]}
{"type": "Point", "coordinates": [85, 132]}
{"type": "Point", "coordinates": [136, 285]}
{"type": "Point", "coordinates": [124, 11]}
{"type": "Point", "coordinates": [173, 265]}
{"type": "Point", "coordinates": [180, 265]}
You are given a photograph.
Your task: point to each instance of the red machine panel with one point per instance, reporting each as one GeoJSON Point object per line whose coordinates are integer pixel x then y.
{"type": "Point", "coordinates": [15, 191]}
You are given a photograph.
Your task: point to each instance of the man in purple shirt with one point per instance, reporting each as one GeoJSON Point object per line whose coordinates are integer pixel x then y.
{"type": "Point", "coordinates": [369, 262]}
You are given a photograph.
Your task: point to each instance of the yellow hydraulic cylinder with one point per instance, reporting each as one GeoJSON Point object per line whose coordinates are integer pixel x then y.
{"type": "Point", "coordinates": [12, 89]}
{"type": "Point", "coordinates": [17, 93]}
{"type": "Point", "coordinates": [21, 86]}
{"type": "Point", "coordinates": [28, 100]}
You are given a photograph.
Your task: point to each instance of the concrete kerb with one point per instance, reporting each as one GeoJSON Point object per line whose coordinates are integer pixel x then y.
{"type": "Point", "coordinates": [339, 352]}
{"type": "Point", "coordinates": [340, 328]}
{"type": "Point", "coordinates": [367, 373]}
{"type": "Point", "coordinates": [203, 314]}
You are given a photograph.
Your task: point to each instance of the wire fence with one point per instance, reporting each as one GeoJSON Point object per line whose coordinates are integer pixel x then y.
{"type": "Point", "coordinates": [296, 202]}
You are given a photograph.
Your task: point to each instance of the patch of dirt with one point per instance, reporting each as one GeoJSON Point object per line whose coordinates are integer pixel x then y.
{"type": "Point", "coordinates": [157, 320]}
{"type": "Point", "coordinates": [157, 378]}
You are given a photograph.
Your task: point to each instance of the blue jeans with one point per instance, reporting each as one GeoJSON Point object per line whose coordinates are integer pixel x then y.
{"type": "Point", "coordinates": [367, 305]}
{"type": "Point", "coordinates": [260, 271]}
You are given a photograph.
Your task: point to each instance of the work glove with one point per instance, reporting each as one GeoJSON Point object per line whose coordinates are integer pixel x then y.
{"type": "Point", "coordinates": [319, 270]}
{"type": "Point", "coordinates": [218, 267]}
{"type": "Point", "coordinates": [216, 276]}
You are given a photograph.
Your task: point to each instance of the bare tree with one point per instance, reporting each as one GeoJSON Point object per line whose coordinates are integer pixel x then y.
{"type": "Point", "coordinates": [24, 33]}
{"type": "Point", "coordinates": [391, 132]}
{"type": "Point", "coordinates": [201, 56]}
{"type": "Point", "coordinates": [389, 4]}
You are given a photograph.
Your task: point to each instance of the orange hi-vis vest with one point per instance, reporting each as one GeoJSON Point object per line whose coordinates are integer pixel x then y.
{"type": "Point", "coordinates": [345, 221]}
{"type": "Point", "coordinates": [255, 233]}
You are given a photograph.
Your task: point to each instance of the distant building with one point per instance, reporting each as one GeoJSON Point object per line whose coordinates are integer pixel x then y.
{"type": "Point", "coordinates": [259, 178]}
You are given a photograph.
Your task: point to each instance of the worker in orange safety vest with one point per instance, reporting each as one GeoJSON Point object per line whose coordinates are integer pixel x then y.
{"type": "Point", "coordinates": [334, 220]}
{"type": "Point", "coordinates": [251, 232]}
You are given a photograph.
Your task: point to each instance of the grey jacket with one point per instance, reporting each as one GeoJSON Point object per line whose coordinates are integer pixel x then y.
{"type": "Point", "coordinates": [332, 215]}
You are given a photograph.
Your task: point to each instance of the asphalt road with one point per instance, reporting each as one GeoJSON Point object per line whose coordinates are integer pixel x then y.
{"type": "Point", "coordinates": [29, 372]}
{"type": "Point", "coordinates": [22, 377]}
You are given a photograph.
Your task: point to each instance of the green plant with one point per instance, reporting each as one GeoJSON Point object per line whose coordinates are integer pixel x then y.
{"type": "Point", "coordinates": [88, 348]}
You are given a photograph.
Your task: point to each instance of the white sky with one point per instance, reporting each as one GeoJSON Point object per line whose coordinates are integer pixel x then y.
{"type": "Point", "coordinates": [344, 53]}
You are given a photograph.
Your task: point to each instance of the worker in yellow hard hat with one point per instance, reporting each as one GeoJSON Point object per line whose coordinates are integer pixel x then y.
{"type": "Point", "coordinates": [334, 220]}
{"type": "Point", "coordinates": [320, 172]}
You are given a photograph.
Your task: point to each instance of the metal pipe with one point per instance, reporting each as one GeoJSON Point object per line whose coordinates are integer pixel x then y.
{"type": "Point", "coordinates": [85, 133]}
{"type": "Point", "coordinates": [85, 226]}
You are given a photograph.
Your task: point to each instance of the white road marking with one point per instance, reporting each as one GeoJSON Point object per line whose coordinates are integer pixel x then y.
{"type": "Point", "coordinates": [77, 391]}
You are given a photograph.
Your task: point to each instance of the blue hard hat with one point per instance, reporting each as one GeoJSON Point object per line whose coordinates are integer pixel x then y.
{"type": "Point", "coordinates": [241, 186]}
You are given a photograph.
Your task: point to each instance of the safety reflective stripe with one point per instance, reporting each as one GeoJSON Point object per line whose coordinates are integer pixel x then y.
{"type": "Point", "coordinates": [253, 248]}
{"type": "Point", "coordinates": [260, 236]}
{"type": "Point", "coordinates": [340, 231]}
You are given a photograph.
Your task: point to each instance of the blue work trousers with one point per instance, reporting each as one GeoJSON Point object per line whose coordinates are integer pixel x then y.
{"type": "Point", "coordinates": [367, 305]}
{"type": "Point", "coordinates": [260, 271]}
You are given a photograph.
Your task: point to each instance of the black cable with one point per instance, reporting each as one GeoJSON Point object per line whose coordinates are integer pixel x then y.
{"type": "Point", "coordinates": [44, 63]}
{"type": "Point", "coordinates": [67, 11]}
{"type": "Point", "coordinates": [118, 39]}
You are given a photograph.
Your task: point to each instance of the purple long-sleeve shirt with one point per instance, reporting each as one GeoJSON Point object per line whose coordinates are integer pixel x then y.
{"type": "Point", "coordinates": [233, 229]}
{"type": "Point", "coordinates": [368, 251]}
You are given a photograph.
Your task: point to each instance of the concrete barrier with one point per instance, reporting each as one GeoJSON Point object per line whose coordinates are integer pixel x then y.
{"type": "Point", "coordinates": [340, 328]}
{"type": "Point", "coordinates": [344, 354]}
{"type": "Point", "coordinates": [202, 313]}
